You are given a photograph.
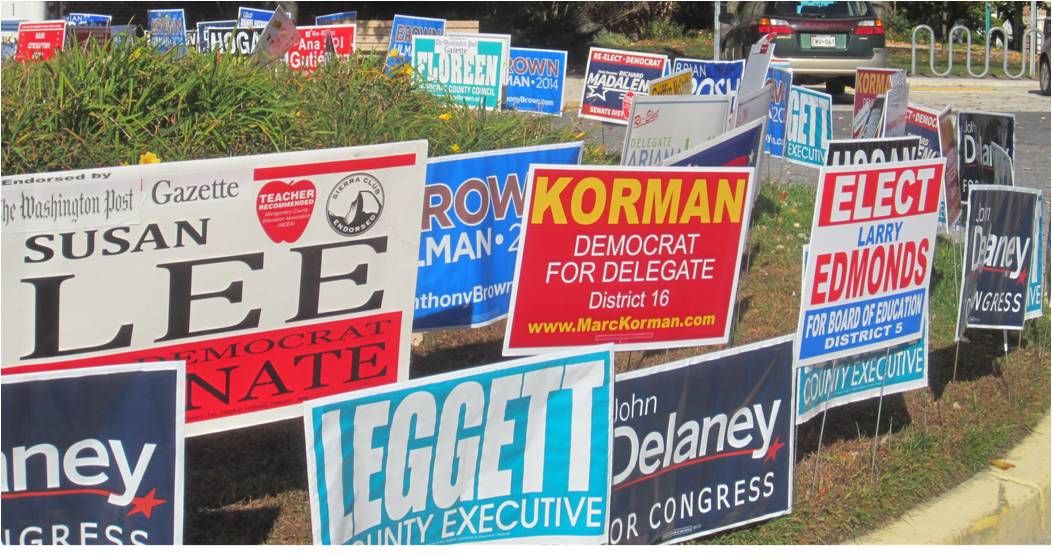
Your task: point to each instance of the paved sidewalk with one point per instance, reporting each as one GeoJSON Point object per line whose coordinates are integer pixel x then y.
{"type": "Point", "coordinates": [994, 507]}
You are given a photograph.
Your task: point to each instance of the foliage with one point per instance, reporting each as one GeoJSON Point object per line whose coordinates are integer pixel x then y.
{"type": "Point", "coordinates": [612, 40]}
{"type": "Point", "coordinates": [662, 30]}
{"type": "Point", "coordinates": [105, 106]}
{"type": "Point", "coordinates": [897, 26]}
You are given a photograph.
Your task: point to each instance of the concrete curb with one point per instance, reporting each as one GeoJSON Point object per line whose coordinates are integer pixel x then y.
{"type": "Point", "coordinates": [994, 507]}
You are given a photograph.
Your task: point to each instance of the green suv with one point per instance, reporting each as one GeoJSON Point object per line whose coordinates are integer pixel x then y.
{"type": "Point", "coordinates": [822, 41]}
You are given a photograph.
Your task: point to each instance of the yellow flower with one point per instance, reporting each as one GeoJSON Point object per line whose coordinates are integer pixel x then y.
{"type": "Point", "coordinates": [394, 53]}
{"type": "Point", "coordinates": [454, 148]}
{"type": "Point", "coordinates": [149, 158]}
{"type": "Point", "coordinates": [445, 117]}
{"type": "Point", "coordinates": [580, 134]}
{"type": "Point", "coordinates": [407, 69]}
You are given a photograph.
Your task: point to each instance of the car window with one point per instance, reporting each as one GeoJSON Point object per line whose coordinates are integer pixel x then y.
{"type": "Point", "coordinates": [819, 8]}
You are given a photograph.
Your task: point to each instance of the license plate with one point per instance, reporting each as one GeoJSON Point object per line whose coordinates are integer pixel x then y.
{"type": "Point", "coordinates": [823, 41]}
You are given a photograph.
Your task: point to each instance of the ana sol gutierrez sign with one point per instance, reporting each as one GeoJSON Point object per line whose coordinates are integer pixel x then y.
{"type": "Point", "coordinates": [317, 42]}
{"type": "Point", "coordinates": [872, 249]}
{"type": "Point", "coordinates": [618, 255]}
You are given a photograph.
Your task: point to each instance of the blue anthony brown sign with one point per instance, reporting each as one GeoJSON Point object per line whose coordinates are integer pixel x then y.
{"type": "Point", "coordinates": [703, 444]}
{"type": "Point", "coordinates": [93, 456]}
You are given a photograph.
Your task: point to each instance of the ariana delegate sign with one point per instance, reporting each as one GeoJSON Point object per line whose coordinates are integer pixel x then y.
{"type": "Point", "coordinates": [277, 278]}
{"type": "Point", "coordinates": [703, 444]}
{"type": "Point", "coordinates": [513, 452]}
{"type": "Point", "coordinates": [872, 250]}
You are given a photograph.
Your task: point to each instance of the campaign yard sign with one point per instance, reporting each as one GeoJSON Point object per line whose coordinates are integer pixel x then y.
{"type": "Point", "coordinates": [871, 83]}
{"type": "Point", "coordinates": [741, 146]}
{"type": "Point", "coordinates": [618, 255]}
{"type": "Point", "coordinates": [998, 251]}
{"type": "Point", "coordinates": [39, 40]}
{"type": "Point", "coordinates": [317, 42]}
{"type": "Point", "coordinates": [661, 126]}
{"type": "Point", "coordinates": [470, 233]}
{"type": "Point", "coordinates": [470, 70]}
{"type": "Point", "coordinates": [95, 456]}
{"type": "Point", "coordinates": [167, 28]}
{"type": "Point", "coordinates": [512, 452]}
{"type": "Point", "coordinates": [896, 369]}
{"type": "Point", "coordinates": [202, 32]}
{"type": "Point", "coordinates": [923, 123]}
{"type": "Point", "coordinates": [896, 104]}
{"type": "Point", "coordinates": [280, 35]}
{"type": "Point", "coordinates": [1035, 292]}
{"type": "Point", "coordinates": [1004, 169]}
{"type": "Point", "coordinates": [873, 119]}
{"type": "Point", "coordinates": [872, 248]}
{"type": "Point", "coordinates": [754, 75]}
{"type": "Point", "coordinates": [753, 106]}
{"type": "Point", "coordinates": [277, 278]}
{"type": "Point", "coordinates": [403, 27]}
{"type": "Point", "coordinates": [88, 20]}
{"type": "Point", "coordinates": [253, 17]}
{"type": "Point", "coordinates": [710, 77]}
{"type": "Point", "coordinates": [339, 18]}
{"type": "Point", "coordinates": [948, 144]}
{"type": "Point", "coordinates": [809, 126]}
{"type": "Point", "coordinates": [536, 80]}
{"type": "Point", "coordinates": [676, 83]}
{"type": "Point", "coordinates": [847, 152]}
{"type": "Point", "coordinates": [702, 445]}
{"type": "Point", "coordinates": [977, 133]}
{"type": "Point", "coordinates": [227, 40]}
{"type": "Point", "coordinates": [781, 80]}
{"type": "Point", "coordinates": [613, 78]}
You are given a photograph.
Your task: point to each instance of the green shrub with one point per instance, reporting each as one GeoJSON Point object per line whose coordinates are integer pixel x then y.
{"type": "Point", "coordinates": [898, 27]}
{"type": "Point", "coordinates": [612, 40]}
{"type": "Point", "coordinates": [660, 30]}
{"type": "Point", "coordinates": [104, 106]}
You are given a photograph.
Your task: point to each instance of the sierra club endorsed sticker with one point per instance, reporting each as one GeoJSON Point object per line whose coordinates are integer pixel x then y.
{"type": "Point", "coordinates": [355, 204]}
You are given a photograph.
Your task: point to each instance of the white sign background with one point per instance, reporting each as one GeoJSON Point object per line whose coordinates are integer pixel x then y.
{"type": "Point", "coordinates": [111, 287]}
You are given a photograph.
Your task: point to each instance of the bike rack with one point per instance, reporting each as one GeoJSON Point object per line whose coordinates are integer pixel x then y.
{"type": "Point", "coordinates": [1031, 34]}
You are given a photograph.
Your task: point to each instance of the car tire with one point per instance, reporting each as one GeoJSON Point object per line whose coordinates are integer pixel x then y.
{"type": "Point", "coordinates": [835, 86]}
{"type": "Point", "coordinates": [1044, 76]}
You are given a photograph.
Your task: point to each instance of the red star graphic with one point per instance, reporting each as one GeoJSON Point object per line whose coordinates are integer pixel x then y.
{"type": "Point", "coordinates": [145, 504]}
{"type": "Point", "coordinates": [1022, 277]}
{"type": "Point", "coordinates": [772, 450]}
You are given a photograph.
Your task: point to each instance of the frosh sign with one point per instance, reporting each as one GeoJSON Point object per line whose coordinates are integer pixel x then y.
{"type": "Point", "coordinates": [317, 42]}
{"type": "Point", "coordinates": [872, 248]}
{"type": "Point", "coordinates": [277, 278]}
{"type": "Point", "coordinates": [619, 255]}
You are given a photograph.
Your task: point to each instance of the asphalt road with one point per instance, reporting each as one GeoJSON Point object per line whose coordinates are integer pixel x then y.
{"type": "Point", "coordinates": [1021, 97]}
